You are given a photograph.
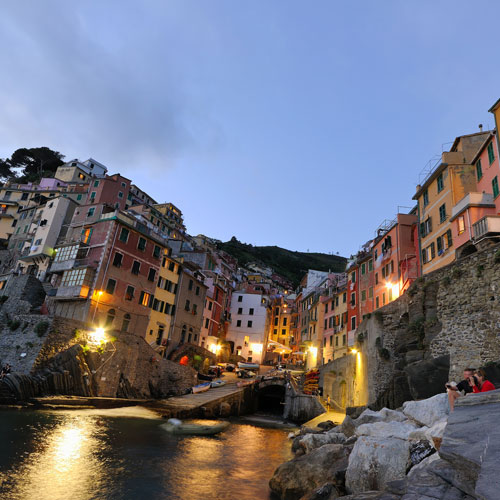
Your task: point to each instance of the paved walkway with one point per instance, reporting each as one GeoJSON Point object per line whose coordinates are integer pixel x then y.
{"type": "Point", "coordinates": [334, 416]}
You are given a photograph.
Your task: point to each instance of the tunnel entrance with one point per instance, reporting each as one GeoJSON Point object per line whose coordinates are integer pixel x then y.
{"type": "Point", "coordinates": [271, 399]}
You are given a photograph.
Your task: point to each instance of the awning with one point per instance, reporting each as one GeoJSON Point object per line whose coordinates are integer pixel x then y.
{"type": "Point", "coordinates": [278, 347]}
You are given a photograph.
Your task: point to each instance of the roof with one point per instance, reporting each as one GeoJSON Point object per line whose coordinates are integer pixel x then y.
{"type": "Point", "coordinates": [485, 143]}
{"type": "Point", "coordinates": [495, 106]}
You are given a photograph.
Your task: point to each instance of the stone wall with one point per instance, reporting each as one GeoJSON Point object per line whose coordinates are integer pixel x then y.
{"type": "Point", "coordinates": [446, 321]}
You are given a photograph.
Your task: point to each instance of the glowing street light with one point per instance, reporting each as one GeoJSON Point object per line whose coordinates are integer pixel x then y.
{"type": "Point", "coordinates": [98, 336]}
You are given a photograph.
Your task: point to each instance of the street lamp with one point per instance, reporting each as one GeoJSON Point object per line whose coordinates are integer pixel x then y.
{"type": "Point", "coordinates": [99, 295]}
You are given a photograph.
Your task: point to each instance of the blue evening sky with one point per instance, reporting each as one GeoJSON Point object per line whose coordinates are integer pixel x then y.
{"type": "Point", "coordinates": [298, 124]}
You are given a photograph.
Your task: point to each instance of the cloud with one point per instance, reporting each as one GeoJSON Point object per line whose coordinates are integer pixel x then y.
{"type": "Point", "coordinates": [82, 80]}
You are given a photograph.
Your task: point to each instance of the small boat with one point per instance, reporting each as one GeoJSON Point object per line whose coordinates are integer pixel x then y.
{"type": "Point", "coordinates": [217, 383]}
{"type": "Point", "coordinates": [175, 426]}
{"type": "Point", "coordinates": [202, 376]}
{"type": "Point", "coordinates": [201, 387]}
{"type": "Point", "coordinates": [248, 366]}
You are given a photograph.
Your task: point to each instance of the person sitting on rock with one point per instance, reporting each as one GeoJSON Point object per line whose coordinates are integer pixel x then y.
{"type": "Point", "coordinates": [480, 383]}
{"type": "Point", "coordinates": [456, 390]}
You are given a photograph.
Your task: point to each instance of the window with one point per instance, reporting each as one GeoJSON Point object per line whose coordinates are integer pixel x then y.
{"type": "Point", "coordinates": [145, 299]}
{"type": "Point", "coordinates": [187, 305]}
{"type": "Point", "coordinates": [383, 298]}
{"type": "Point", "coordinates": [110, 287]}
{"type": "Point", "coordinates": [96, 184]}
{"type": "Point", "coordinates": [136, 267]}
{"type": "Point", "coordinates": [284, 321]}
{"type": "Point", "coordinates": [238, 322]}
{"type": "Point", "coordinates": [197, 291]}
{"type": "Point", "coordinates": [206, 322]}
{"type": "Point", "coordinates": [78, 197]}
{"type": "Point", "coordinates": [210, 305]}
{"type": "Point", "coordinates": [24, 196]}
{"type": "Point", "coordinates": [353, 276]}
{"type": "Point", "coordinates": [479, 170]}
{"type": "Point", "coordinates": [426, 198]}
{"type": "Point", "coordinates": [240, 298]}
{"type": "Point", "coordinates": [363, 269]}
{"type": "Point", "coordinates": [141, 245]}
{"type": "Point", "coordinates": [353, 298]}
{"type": "Point", "coordinates": [38, 242]}
{"type": "Point", "coordinates": [376, 278]}
{"type": "Point", "coordinates": [117, 260]}
{"type": "Point", "coordinates": [195, 308]}
{"type": "Point", "coordinates": [156, 251]}
{"type": "Point", "coordinates": [124, 235]}
{"type": "Point", "coordinates": [363, 295]}
{"type": "Point", "coordinates": [426, 227]}
{"type": "Point", "coordinates": [110, 318]}
{"type": "Point", "coordinates": [276, 320]}
{"type": "Point", "coordinates": [449, 238]}
{"type": "Point", "coordinates": [152, 274]}
{"type": "Point", "coordinates": [370, 292]}
{"type": "Point", "coordinates": [81, 176]}
{"type": "Point", "coordinates": [190, 284]}
{"type": "Point", "coordinates": [249, 324]}
{"type": "Point", "coordinates": [86, 235]}
{"type": "Point", "coordinates": [344, 297]}
{"type": "Point", "coordinates": [353, 323]}
{"type": "Point", "coordinates": [370, 265]}
{"type": "Point", "coordinates": [461, 224]}
{"type": "Point", "coordinates": [336, 341]}
{"type": "Point", "coordinates": [251, 311]}
{"type": "Point", "coordinates": [171, 267]}
{"type": "Point", "coordinates": [377, 303]}
{"type": "Point", "coordinates": [92, 195]}
{"type": "Point", "coordinates": [129, 293]}
{"type": "Point", "coordinates": [125, 322]}
{"type": "Point", "coordinates": [91, 211]}
{"type": "Point", "coordinates": [440, 183]}
{"type": "Point", "coordinates": [491, 153]}
{"type": "Point", "coordinates": [240, 310]}
{"type": "Point", "coordinates": [120, 194]}
{"type": "Point", "coordinates": [442, 212]}
{"type": "Point", "coordinates": [494, 185]}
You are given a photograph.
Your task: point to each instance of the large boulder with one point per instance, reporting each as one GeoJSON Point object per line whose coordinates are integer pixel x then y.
{"type": "Point", "coordinates": [300, 476]}
{"type": "Point", "coordinates": [348, 426]}
{"type": "Point", "coordinates": [376, 461]}
{"type": "Point", "coordinates": [394, 429]}
{"type": "Point", "coordinates": [471, 442]}
{"type": "Point", "coordinates": [329, 491]}
{"type": "Point", "coordinates": [310, 442]}
{"type": "Point", "coordinates": [428, 377]}
{"type": "Point", "coordinates": [428, 411]}
{"type": "Point", "coordinates": [383, 415]}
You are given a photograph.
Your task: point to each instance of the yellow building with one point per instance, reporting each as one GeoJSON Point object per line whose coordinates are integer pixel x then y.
{"type": "Point", "coordinates": [163, 308]}
{"type": "Point", "coordinates": [280, 321]}
{"type": "Point", "coordinates": [443, 187]}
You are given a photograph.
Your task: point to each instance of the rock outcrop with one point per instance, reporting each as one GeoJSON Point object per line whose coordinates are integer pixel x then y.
{"type": "Point", "coordinates": [399, 455]}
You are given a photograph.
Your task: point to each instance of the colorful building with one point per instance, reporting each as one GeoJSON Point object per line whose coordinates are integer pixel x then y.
{"type": "Point", "coordinates": [443, 187]}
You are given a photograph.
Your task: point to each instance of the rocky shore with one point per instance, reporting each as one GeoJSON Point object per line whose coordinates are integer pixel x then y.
{"type": "Point", "coordinates": [418, 452]}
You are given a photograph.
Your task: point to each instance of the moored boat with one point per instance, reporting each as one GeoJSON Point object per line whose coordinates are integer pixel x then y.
{"type": "Point", "coordinates": [217, 383]}
{"type": "Point", "coordinates": [175, 426]}
{"type": "Point", "coordinates": [201, 387]}
{"type": "Point", "coordinates": [244, 383]}
{"type": "Point", "coordinates": [248, 366]}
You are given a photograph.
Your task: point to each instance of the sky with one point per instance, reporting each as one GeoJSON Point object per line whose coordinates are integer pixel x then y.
{"type": "Point", "coordinates": [281, 122]}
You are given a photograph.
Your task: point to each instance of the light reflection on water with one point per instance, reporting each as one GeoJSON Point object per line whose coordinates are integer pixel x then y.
{"type": "Point", "coordinates": [82, 455]}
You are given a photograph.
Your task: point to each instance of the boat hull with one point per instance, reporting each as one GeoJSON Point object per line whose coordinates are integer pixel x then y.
{"type": "Point", "coordinates": [196, 429]}
{"type": "Point", "coordinates": [201, 388]}
{"type": "Point", "coordinates": [248, 366]}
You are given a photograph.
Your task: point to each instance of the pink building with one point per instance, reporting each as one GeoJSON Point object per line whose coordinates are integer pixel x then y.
{"type": "Point", "coordinates": [328, 302]}
{"type": "Point", "coordinates": [475, 217]}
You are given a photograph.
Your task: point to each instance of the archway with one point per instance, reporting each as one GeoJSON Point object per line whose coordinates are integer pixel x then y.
{"type": "Point", "coordinates": [271, 399]}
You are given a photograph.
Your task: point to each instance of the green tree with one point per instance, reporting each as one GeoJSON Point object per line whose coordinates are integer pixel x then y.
{"type": "Point", "coordinates": [30, 164]}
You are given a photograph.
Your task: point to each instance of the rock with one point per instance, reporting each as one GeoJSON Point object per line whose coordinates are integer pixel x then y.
{"type": "Point", "coordinates": [310, 430]}
{"type": "Point", "coordinates": [372, 495]}
{"type": "Point", "coordinates": [428, 377]}
{"type": "Point", "coordinates": [311, 441]}
{"type": "Point", "coordinates": [427, 411]}
{"type": "Point", "coordinates": [354, 411]}
{"type": "Point", "coordinates": [302, 475]}
{"type": "Point", "coordinates": [384, 415]}
{"type": "Point", "coordinates": [328, 491]}
{"type": "Point", "coordinates": [419, 450]}
{"type": "Point", "coordinates": [347, 427]}
{"type": "Point", "coordinates": [414, 356]}
{"type": "Point", "coordinates": [374, 462]}
{"type": "Point", "coordinates": [326, 425]}
{"type": "Point", "coordinates": [437, 481]}
{"type": "Point", "coordinates": [399, 430]}
{"type": "Point", "coordinates": [471, 442]}
{"type": "Point", "coordinates": [351, 440]}
{"type": "Point", "coordinates": [424, 464]}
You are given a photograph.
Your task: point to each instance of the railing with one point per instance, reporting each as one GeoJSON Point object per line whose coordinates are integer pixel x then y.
{"type": "Point", "coordinates": [487, 225]}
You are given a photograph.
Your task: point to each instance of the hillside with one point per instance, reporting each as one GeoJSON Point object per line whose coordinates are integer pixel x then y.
{"type": "Point", "coordinates": [289, 264]}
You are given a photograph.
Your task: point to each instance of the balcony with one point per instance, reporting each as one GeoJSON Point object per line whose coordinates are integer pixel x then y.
{"type": "Point", "coordinates": [484, 200]}
{"type": "Point", "coordinates": [488, 225]}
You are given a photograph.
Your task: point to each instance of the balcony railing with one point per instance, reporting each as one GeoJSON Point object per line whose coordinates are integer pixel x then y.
{"type": "Point", "coordinates": [487, 225]}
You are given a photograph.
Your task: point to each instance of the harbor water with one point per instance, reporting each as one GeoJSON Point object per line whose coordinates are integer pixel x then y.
{"type": "Point", "coordinates": [126, 454]}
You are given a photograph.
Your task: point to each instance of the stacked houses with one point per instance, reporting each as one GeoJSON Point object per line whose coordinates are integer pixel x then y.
{"type": "Point", "coordinates": [112, 257]}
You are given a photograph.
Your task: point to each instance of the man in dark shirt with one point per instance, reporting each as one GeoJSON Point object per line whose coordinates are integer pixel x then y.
{"type": "Point", "coordinates": [455, 391]}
